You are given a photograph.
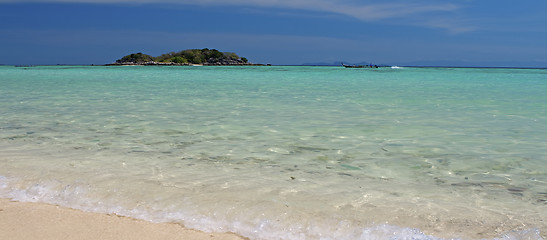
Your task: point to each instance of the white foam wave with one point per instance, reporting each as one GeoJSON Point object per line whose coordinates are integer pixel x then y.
{"type": "Point", "coordinates": [53, 192]}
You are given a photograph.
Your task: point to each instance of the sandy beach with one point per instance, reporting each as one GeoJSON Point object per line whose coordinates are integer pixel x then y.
{"type": "Point", "coordinates": [42, 221]}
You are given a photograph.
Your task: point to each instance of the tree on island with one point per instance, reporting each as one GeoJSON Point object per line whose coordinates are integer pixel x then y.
{"type": "Point", "coordinates": [189, 56]}
{"type": "Point", "coordinates": [136, 58]}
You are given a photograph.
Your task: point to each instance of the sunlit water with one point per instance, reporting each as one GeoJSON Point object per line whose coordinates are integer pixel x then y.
{"type": "Point", "coordinates": [284, 152]}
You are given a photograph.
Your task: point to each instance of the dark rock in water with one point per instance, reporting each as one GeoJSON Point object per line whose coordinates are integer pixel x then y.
{"type": "Point", "coordinates": [516, 189]}
{"type": "Point", "coordinates": [312, 149]}
{"type": "Point", "coordinates": [345, 174]}
{"type": "Point", "coordinates": [466, 184]}
{"type": "Point", "coordinates": [439, 181]}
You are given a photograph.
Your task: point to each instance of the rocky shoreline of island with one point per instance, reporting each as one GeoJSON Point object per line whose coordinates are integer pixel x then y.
{"type": "Point", "coordinates": [188, 57]}
{"type": "Point", "coordinates": [152, 63]}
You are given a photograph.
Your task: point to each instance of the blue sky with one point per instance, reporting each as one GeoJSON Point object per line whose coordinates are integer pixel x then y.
{"type": "Point", "coordinates": [412, 32]}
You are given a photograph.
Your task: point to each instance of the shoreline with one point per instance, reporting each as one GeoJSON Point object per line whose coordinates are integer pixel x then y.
{"type": "Point", "coordinates": [259, 64]}
{"type": "Point", "coordinates": [26, 220]}
{"type": "Point", "coordinates": [183, 64]}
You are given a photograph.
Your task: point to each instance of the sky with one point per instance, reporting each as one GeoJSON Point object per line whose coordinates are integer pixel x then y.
{"type": "Point", "coordinates": [489, 33]}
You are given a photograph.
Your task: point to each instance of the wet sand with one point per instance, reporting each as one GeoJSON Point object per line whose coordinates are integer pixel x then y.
{"type": "Point", "coordinates": [42, 221]}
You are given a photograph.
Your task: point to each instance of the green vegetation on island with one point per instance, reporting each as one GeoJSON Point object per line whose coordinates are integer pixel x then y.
{"type": "Point", "coordinates": [185, 57]}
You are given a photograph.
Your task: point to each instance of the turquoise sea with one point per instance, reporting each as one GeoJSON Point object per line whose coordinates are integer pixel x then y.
{"type": "Point", "coordinates": [284, 152]}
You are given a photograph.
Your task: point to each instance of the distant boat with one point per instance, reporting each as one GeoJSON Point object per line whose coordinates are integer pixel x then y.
{"type": "Point", "coordinates": [359, 66]}
{"type": "Point", "coordinates": [353, 66]}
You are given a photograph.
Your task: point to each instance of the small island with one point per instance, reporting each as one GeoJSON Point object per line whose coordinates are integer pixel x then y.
{"type": "Point", "coordinates": [189, 57]}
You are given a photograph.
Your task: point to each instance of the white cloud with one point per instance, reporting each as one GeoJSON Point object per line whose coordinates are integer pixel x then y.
{"type": "Point", "coordinates": [404, 11]}
{"type": "Point", "coordinates": [363, 11]}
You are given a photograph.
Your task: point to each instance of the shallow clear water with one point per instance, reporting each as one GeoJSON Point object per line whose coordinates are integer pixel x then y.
{"type": "Point", "coordinates": [284, 152]}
